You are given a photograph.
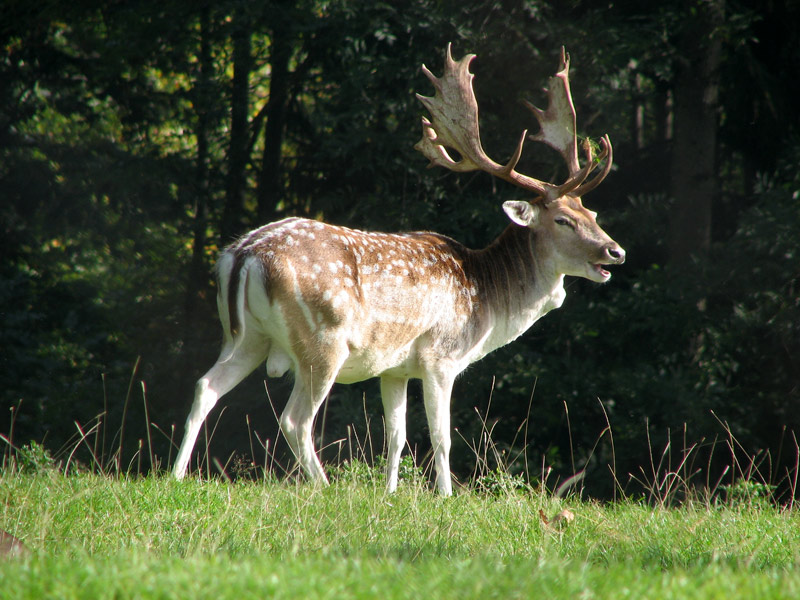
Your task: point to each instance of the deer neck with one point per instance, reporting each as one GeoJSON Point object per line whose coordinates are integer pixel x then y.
{"type": "Point", "coordinates": [519, 282]}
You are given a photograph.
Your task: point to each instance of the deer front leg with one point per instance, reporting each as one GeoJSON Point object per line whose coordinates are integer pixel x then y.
{"type": "Point", "coordinates": [393, 394]}
{"type": "Point", "coordinates": [437, 388]}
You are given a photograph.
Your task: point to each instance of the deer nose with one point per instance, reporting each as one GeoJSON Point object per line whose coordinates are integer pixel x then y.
{"type": "Point", "coordinates": [616, 253]}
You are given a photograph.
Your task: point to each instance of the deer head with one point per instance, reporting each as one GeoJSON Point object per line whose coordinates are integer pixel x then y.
{"type": "Point", "coordinates": [567, 231]}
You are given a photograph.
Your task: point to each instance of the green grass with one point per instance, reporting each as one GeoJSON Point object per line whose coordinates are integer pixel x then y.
{"type": "Point", "coordinates": [99, 537]}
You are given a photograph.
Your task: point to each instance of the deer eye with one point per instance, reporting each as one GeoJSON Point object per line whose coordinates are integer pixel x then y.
{"type": "Point", "coordinates": [565, 222]}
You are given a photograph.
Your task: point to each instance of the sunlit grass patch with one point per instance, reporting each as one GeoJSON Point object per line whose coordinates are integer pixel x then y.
{"type": "Point", "coordinates": [101, 537]}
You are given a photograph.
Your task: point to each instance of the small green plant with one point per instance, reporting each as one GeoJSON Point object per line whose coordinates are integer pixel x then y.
{"type": "Point", "coordinates": [500, 482]}
{"type": "Point", "coordinates": [33, 458]}
{"type": "Point", "coordinates": [357, 471]}
{"type": "Point", "coordinates": [748, 493]}
{"type": "Point", "coordinates": [409, 471]}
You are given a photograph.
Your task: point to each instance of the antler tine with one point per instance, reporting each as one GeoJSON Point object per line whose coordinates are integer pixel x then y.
{"type": "Point", "coordinates": [454, 124]}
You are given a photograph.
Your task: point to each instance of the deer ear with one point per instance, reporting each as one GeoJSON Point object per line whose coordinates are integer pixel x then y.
{"type": "Point", "coordinates": [521, 212]}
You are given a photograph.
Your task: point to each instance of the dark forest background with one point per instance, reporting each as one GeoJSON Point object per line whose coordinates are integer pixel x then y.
{"type": "Point", "coordinates": [137, 138]}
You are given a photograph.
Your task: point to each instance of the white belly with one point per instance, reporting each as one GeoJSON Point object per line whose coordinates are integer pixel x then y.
{"type": "Point", "coordinates": [364, 364]}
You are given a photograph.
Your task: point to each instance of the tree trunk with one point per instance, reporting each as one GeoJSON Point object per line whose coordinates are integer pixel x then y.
{"type": "Point", "coordinates": [270, 189]}
{"type": "Point", "coordinates": [693, 170]}
{"type": "Point", "coordinates": [238, 148]}
{"type": "Point", "coordinates": [198, 276]}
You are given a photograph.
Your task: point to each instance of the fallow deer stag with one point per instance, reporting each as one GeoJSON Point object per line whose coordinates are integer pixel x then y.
{"type": "Point", "coordinates": [339, 305]}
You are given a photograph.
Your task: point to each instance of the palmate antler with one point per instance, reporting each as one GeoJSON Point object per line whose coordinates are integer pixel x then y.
{"type": "Point", "coordinates": [454, 124]}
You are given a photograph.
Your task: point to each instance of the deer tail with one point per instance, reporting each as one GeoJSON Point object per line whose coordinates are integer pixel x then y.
{"type": "Point", "coordinates": [232, 282]}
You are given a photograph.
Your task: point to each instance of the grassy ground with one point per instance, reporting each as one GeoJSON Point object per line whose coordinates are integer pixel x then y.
{"type": "Point", "coordinates": [99, 537]}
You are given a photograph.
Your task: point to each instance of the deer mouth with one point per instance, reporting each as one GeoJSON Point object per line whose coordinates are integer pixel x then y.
{"type": "Point", "coordinates": [598, 273]}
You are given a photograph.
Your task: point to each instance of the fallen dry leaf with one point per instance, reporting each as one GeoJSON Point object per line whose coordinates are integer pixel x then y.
{"type": "Point", "coordinates": [11, 546]}
{"type": "Point", "coordinates": [563, 518]}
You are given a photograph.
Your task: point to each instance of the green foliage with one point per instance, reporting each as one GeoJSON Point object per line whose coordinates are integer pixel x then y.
{"type": "Point", "coordinates": [357, 472]}
{"type": "Point", "coordinates": [32, 458]}
{"type": "Point", "coordinates": [748, 494]}
{"type": "Point", "coordinates": [500, 483]}
{"type": "Point", "coordinates": [409, 471]}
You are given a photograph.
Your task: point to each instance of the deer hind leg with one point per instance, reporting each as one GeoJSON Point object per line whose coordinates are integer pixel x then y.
{"type": "Point", "coordinates": [311, 387]}
{"type": "Point", "coordinates": [437, 389]}
{"type": "Point", "coordinates": [231, 367]}
{"type": "Point", "coordinates": [394, 395]}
